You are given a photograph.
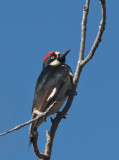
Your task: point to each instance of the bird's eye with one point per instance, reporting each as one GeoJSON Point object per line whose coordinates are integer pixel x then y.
{"type": "Point", "coordinates": [52, 57]}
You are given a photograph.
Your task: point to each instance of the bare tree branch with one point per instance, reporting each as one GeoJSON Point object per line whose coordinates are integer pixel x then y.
{"type": "Point", "coordinates": [99, 35]}
{"type": "Point", "coordinates": [24, 124]}
{"type": "Point", "coordinates": [36, 150]}
{"type": "Point", "coordinates": [83, 32]}
{"type": "Point", "coordinates": [81, 62]}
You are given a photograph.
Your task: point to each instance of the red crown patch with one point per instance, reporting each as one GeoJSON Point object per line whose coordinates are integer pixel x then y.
{"type": "Point", "coordinates": [48, 55]}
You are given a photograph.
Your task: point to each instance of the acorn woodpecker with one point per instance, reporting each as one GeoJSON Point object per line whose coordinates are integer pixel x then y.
{"type": "Point", "coordinates": [52, 88]}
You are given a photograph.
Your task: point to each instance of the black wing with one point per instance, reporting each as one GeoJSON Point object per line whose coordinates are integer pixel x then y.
{"type": "Point", "coordinates": [48, 84]}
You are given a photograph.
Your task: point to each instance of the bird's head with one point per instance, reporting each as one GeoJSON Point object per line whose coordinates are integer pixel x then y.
{"type": "Point", "coordinates": [54, 58]}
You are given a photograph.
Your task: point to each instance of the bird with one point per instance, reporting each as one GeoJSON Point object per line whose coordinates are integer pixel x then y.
{"type": "Point", "coordinates": [53, 86]}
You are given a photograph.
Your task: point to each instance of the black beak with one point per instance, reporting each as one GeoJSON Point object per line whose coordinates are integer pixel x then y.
{"type": "Point", "coordinates": [62, 56]}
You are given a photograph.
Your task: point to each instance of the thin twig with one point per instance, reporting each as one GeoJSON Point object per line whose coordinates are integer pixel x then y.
{"type": "Point", "coordinates": [99, 35]}
{"type": "Point", "coordinates": [24, 124]}
{"type": "Point", "coordinates": [83, 32]}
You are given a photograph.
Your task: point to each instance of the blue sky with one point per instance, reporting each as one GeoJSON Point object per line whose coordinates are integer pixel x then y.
{"type": "Point", "coordinates": [28, 31]}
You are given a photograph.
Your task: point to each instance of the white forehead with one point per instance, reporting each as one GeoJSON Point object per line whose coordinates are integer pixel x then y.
{"type": "Point", "coordinates": [57, 53]}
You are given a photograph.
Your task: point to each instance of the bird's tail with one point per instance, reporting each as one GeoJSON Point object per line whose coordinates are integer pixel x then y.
{"type": "Point", "coordinates": [30, 141]}
{"type": "Point", "coordinates": [33, 131]}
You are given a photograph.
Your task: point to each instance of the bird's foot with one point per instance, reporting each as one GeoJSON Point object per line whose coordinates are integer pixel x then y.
{"type": "Point", "coordinates": [58, 113]}
{"type": "Point", "coordinates": [70, 93]}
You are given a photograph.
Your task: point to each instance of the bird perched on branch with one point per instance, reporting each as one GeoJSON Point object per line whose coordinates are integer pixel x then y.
{"type": "Point", "coordinates": [52, 88]}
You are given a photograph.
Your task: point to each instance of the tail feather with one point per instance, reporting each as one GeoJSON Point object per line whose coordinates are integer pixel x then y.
{"type": "Point", "coordinates": [30, 141]}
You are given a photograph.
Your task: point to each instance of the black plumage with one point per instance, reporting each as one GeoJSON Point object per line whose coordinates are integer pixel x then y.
{"type": "Point", "coordinates": [50, 78]}
{"type": "Point", "coordinates": [52, 87]}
